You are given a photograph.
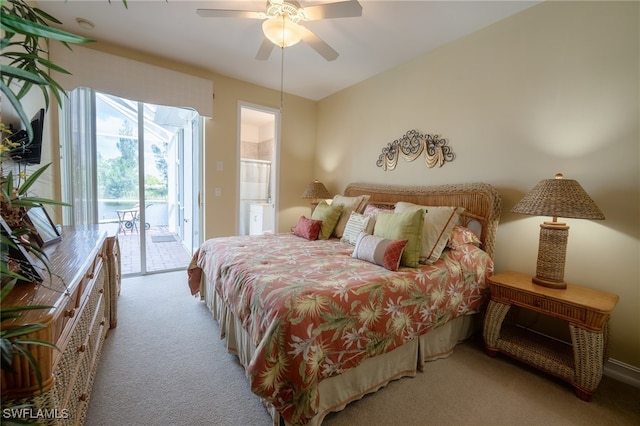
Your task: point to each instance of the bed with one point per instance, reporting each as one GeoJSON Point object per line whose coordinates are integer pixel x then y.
{"type": "Point", "coordinates": [317, 328]}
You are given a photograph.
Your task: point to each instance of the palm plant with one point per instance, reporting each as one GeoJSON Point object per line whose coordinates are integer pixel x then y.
{"type": "Point", "coordinates": [25, 30]}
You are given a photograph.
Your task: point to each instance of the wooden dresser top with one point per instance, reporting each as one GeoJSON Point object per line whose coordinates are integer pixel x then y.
{"type": "Point", "coordinates": [69, 259]}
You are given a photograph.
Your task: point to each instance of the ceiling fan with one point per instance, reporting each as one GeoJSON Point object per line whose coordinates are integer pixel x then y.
{"type": "Point", "coordinates": [282, 19]}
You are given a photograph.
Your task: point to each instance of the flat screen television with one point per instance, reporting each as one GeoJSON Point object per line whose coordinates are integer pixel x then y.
{"type": "Point", "coordinates": [30, 152]}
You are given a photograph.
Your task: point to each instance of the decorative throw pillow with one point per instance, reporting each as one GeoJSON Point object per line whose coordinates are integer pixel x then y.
{"type": "Point", "coordinates": [329, 215]}
{"type": "Point", "coordinates": [351, 204]}
{"type": "Point", "coordinates": [373, 211]}
{"type": "Point", "coordinates": [461, 235]}
{"type": "Point", "coordinates": [438, 223]}
{"type": "Point", "coordinates": [403, 226]}
{"type": "Point", "coordinates": [357, 223]}
{"type": "Point", "coordinates": [378, 250]}
{"type": "Point", "coordinates": [307, 228]}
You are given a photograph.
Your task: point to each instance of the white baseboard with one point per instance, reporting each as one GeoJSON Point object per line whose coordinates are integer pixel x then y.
{"type": "Point", "coordinates": [622, 372]}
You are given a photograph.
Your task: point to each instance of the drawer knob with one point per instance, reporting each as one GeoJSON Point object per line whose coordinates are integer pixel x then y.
{"type": "Point", "coordinates": [70, 313]}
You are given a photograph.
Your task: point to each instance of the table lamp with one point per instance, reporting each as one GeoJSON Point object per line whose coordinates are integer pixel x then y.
{"type": "Point", "coordinates": [316, 191]}
{"type": "Point", "coordinates": [556, 198]}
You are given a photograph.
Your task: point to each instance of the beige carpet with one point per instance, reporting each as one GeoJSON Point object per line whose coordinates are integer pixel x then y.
{"type": "Point", "coordinates": [165, 365]}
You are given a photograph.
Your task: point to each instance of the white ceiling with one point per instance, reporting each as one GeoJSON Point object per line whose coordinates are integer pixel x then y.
{"type": "Point", "coordinates": [387, 34]}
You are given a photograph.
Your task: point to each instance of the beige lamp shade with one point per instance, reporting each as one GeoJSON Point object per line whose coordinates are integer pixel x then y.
{"type": "Point", "coordinates": [316, 191]}
{"type": "Point", "coordinates": [556, 198]}
{"type": "Point", "coordinates": [559, 197]}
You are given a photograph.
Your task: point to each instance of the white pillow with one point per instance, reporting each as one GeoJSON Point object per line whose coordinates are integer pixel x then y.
{"type": "Point", "coordinates": [351, 204]}
{"type": "Point", "coordinates": [438, 224]}
{"type": "Point", "coordinates": [357, 223]}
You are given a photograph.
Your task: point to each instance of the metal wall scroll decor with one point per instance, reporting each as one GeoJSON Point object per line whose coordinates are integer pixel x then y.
{"type": "Point", "coordinates": [411, 145]}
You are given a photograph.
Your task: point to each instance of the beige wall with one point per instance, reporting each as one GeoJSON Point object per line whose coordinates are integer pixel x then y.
{"type": "Point", "coordinates": [552, 89]}
{"type": "Point", "coordinates": [295, 156]}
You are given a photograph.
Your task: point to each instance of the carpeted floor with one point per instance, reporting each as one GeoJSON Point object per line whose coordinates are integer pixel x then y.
{"type": "Point", "coordinates": [165, 365]}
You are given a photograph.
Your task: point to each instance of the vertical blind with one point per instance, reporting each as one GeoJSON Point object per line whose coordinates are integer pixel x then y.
{"type": "Point", "coordinates": [78, 157]}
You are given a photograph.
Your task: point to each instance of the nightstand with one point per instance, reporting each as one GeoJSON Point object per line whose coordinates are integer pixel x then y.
{"type": "Point", "coordinates": [586, 311]}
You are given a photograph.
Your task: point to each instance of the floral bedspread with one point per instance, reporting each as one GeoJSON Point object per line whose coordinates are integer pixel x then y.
{"type": "Point", "coordinates": [313, 311]}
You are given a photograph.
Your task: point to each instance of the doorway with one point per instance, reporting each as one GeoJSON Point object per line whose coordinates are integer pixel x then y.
{"type": "Point", "coordinates": [258, 148]}
{"type": "Point", "coordinates": [142, 166]}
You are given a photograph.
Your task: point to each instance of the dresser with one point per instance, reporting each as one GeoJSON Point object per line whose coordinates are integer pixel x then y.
{"type": "Point", "coordinates": [260, 218]}
{"type": "Point", "coordinates": [76, 322]}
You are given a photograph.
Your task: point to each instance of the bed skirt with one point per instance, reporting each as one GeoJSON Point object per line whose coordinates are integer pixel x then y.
{"type": "Point", "coordinates": [372, 374]}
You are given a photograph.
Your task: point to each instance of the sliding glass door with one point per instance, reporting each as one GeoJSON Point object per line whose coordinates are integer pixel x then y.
{"type": "Point", "coordinates": [139, 168]}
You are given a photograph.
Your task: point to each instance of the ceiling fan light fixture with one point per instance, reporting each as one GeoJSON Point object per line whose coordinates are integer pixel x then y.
{"type": "Point", "coordinates": [282, 31]}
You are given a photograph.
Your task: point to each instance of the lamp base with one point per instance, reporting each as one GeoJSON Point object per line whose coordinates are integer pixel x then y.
{"type": "Point", "coordinates": [552, 250]}
{"type": "Point", "coordinates": [313, 206]}
{"type": "Point", "coordinates": [547, 283]}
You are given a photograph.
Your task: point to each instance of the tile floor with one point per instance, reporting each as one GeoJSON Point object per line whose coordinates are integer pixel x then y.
{"type": "Point", "coordinates": [161, 254]}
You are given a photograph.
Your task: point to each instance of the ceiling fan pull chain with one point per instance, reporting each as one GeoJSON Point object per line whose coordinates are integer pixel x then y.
{"type": "Point", "coordinates": [282, 68]}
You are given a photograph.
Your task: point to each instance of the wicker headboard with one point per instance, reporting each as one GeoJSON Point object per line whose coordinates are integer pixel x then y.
{"type": "Point", "coordinates": [481, 201]}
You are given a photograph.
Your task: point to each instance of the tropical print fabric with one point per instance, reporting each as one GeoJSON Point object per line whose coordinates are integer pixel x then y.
{"type": "Point", "coordinates": [313, 311]}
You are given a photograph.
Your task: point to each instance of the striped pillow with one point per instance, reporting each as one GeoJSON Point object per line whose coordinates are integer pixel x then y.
{"type": "Point", "coordinates": [351, 204]}
{"type": "Point", "coordinates": [357, 223]}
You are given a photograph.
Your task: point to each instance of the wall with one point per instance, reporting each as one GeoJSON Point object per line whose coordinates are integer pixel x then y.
{"type": "Point", "coordinates": [257, 142]}
{"type": "Point", "coordinates": [295, 162]}
{"type": "Point", "coordinates": [552, 89]}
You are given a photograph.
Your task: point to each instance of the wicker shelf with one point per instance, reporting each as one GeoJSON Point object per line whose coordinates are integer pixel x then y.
{"type": "Point", "coordinates": [553, 356]}
{"type": "Point", "coordinates": [587, 312]}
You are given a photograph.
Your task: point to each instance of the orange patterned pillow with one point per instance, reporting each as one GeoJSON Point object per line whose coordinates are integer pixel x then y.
{"type": "Point", "coordinates": [378, 250]}
{"type": "Point", "coordinates": [308, 228]}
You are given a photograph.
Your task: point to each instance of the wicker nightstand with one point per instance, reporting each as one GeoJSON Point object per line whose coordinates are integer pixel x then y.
{"type": "Point", "coordinates": [587, 312]}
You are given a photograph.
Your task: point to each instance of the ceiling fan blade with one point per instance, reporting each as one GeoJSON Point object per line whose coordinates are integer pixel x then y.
{"type": "Point", "coordinates": [318, 45]}
{"type": "Point", "coordinates": [265, 50]}
{"type": "Point", "coordinates": [341, 9]}
{"type": "Point", "coordinates": [229, 13]}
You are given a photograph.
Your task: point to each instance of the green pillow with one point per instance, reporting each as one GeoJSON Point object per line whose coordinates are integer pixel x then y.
{"type": "Point", "coordinates": [403, 226]}
{"type": "Point", "coordinates": [329, 215]}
